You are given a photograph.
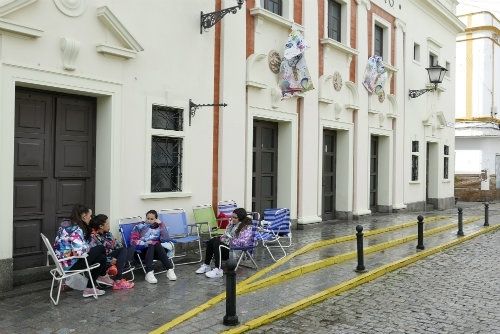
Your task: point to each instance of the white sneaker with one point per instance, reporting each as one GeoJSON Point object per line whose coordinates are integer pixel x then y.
{"type": "Point", "coordinates": [90, 292]}
{"type": "Point", "coordinates": [215, 273]}
{"type": "Point", "coordinates": [171, 275]}
{"type": "Point", "coordinates": [203, 269]}
{"type": "Point", "coordinates": [150, 278]}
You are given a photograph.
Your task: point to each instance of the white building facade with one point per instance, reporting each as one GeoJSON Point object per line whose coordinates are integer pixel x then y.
{"type": "Point", "coordinates": [477, 128]}
{"type": "Point", "coordinates": [95, 108]}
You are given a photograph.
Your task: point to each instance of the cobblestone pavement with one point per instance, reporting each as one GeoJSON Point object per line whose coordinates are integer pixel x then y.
{"type": "Point", "coordinates": [456, 291]}
{"type": "Point", "coordinates": [147, 306]}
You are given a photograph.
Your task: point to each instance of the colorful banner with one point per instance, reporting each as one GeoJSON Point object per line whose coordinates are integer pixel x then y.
{"type": "Point", "coordinates": [375, 75]}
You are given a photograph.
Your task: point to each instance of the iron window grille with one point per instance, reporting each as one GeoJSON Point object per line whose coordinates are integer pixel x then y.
{"type": "Point", "coordinates": [334, 20]}
{"type": "Point", "coordinates": [167, 118]}
{"type": "Point", "coordinates": [414, 160]}
{"type": "Point", "coordinates": [166, 164]}
{"type": "Point", "coordinates": [446, 161]}
{"type": "Point", "coordinates": [274, 6]}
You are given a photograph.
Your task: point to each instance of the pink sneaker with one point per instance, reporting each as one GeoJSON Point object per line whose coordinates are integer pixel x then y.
{"type": "Point", "coordinates": [123, 284]}
{"type": "Point", "coordinates": [105, 280]}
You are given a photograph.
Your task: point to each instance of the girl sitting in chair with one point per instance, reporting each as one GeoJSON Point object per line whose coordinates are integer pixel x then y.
{"type": "Point", "coordinates": [116, 254]}
{"type": "Point", "coordinates": [72, 240]}
{"type": "Point", "coordinates": [147, 237]}
{"type": "Point", "coordinates": [238, 234]}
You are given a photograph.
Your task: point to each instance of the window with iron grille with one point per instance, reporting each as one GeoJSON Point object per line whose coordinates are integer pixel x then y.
{"type": "Point", "coordinates": [334, 20]}
{"type": "Point", "coordinates": [414, 160]}
{"type": "Point", "coordinates": [274, 6]}
{"type": "Point", "coordinates": [379, 41]}
{"type": "Point", "coordinates": [166, 118]}
{"type": "Point", "coordinates": [166, 149]}
{"type": "Point", "coordinates": [446, 161]}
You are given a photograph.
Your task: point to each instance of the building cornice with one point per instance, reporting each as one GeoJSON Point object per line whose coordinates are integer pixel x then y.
{"type": "Point", "coordinates": [443, 12]}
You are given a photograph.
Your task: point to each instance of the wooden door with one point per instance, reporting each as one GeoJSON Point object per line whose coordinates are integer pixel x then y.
{"type": "Point", "coordinates": [264, 165]}
{"type": "Point", "coordinates": [329, 181]}
{"type": "Point", "coordinates": [54, 167]}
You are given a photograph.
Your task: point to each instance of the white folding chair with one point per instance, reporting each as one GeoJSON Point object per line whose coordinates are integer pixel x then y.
{"type": "Point", "coordinates": [59, 274]}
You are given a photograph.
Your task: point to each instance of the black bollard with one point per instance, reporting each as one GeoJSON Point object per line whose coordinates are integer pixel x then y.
{"type": "Point", "coordinates": [460, 222]}
{"type": "Point", "coordinates": [486, 213]}
{"type": "Point", "coordinates": [420, 231]}
{"type": "Point", "coordinates": [359, 238]}
{"type": "Point", "coordinates": [230, 319]}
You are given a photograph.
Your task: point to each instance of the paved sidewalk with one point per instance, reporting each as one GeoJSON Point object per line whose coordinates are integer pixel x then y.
{"type": "Point", "coordinates": [454, 292]}
{"type": "Point", "coordinates": [147, 306]}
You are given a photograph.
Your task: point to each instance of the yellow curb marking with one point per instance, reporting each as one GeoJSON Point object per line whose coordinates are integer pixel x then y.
{"type": "Point", "coordinates": [309, 247]}
{"type": "Point", "coordinates": [352, 283]}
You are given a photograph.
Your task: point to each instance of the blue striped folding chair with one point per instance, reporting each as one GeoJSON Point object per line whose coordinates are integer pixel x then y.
{"type": "Point", "coordinates": [180, 231]}
{"type": "Point", "coordinates": [225, 208]}
{"type": "Point", "coordinates": [275, 226]}
{"type": "Point", "coordinates": [247, 251]}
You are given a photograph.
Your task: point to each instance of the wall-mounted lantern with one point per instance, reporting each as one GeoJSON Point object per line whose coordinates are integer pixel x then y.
{"type": "Point", "coordinates": [436, 75]}
{"type": "Point", "coordinates": [210, 19]}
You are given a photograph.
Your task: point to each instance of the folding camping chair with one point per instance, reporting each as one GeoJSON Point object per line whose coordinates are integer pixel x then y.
{"type": "Point", "coordinates": [125, 226]}
{"type": "Point", "coordinates": [275, 226]}
{"type": "Point", "coordinates": [204, 215]}
{"type": "Point", "coordinates": [180, 231]}
{"type": "Point", "coordinates": [246, 252]}
{"type": "Point", "coordinates": [225, 209]}
{"type": "Point", "coordinates": [59, 274]}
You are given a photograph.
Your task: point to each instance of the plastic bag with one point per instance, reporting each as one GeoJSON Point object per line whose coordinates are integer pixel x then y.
{"type": "Point", "coordinates": [77, 282]}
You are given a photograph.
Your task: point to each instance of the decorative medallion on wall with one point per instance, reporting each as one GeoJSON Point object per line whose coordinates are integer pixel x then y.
{"type": "Point", "coordinates": [381, 96]}
{"type": "Point", "coordinates": [71, 7]}
{"type": "Point", "coordinates": [274, 60]}
{"type": "Point", "coordinates": [337, 81]}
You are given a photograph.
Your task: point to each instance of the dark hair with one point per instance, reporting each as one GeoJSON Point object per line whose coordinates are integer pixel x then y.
{"type": "Point", "coordinates": [153, 212]}
{"type": "Point", "coordinates": [98, 221]}
{"type": "Point", "coordinates": [243, 218]}
{"type": "Point", "coordinates": [76, 218]}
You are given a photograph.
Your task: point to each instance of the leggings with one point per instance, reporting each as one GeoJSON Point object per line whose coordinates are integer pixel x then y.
{"type": "Point", "coordinates": [157, 252]}
{"type": "Point", "coordinates": [96, 254]}
{"type": "Point", "coordinates": [122, 256]}
{"type": "Point", "coordinates": [213, 252]}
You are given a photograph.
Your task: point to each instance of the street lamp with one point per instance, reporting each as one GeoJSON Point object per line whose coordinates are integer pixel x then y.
{"type": "Point", "coordinates": [436, 75]}
{"type": "Point", "coordinates": [210, 19]}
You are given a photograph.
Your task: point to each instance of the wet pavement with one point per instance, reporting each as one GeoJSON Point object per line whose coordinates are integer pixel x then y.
{"type": "Point", "coordinates": [147, 306]}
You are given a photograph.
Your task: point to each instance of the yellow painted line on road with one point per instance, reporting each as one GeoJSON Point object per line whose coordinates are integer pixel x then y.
{"type": "Point", "coordinates": [310, 247]}
{"type": "Point", "coordinates": [325, 243]}
{"type": "Point", "coordinates": [320, 264]}
{"type": "Point", "coordinates": [352, 283]}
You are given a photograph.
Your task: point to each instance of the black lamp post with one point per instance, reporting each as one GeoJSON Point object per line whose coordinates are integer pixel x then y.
{"type": "Point", "coordinates": [210, 19]}
{"type": "Point", "coordinates": [436, 75]}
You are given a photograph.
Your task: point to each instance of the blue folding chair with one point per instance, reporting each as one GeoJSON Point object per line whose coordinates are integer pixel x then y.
{"type": "Point", "coordinates": [125, 226]}
{"type": "Point", "coordinates": [247, 251]}
{"type": "Point", "coordinates": [276, 225]}
{"type": "Point", "coordinates": [180, 231]}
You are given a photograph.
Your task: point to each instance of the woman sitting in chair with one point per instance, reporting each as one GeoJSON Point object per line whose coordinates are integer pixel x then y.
{"type": "Point", "coordinates": [238, 234]}
{"type": "Point", "coordinates": [116, 255]}
{"type": "Point", "coordinates": [147, 237]}
{"type": "Point", "coordinates": [72, 240]}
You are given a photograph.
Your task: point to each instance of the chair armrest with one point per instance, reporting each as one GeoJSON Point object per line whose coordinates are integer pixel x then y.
{"type": "Point", "coordinates": [197, 228]}
{"type": "Point", "coordinates": [73, 257]}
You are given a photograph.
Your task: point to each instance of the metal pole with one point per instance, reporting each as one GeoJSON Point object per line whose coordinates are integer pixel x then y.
{"type": "Point", "coordinates": [460, 222]}
{"type": "Point", "coordinates": [359, 240]}
{"type": "Point", "coordinates": [230, 319]}
{"type": "Point", "coordinates": [420, 231]}
{"type": "Point", "coordinates": [486, 214]}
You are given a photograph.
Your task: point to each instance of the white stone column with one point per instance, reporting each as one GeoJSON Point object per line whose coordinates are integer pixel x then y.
{"type": "Point", "coordinates": [361, 193]}
{"type": "Point", "coordinates": [309, 125]}
{"type": "Point", "coordinates": [232, 119]}
{"type": "Point", "coordinates": [398, 131]}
